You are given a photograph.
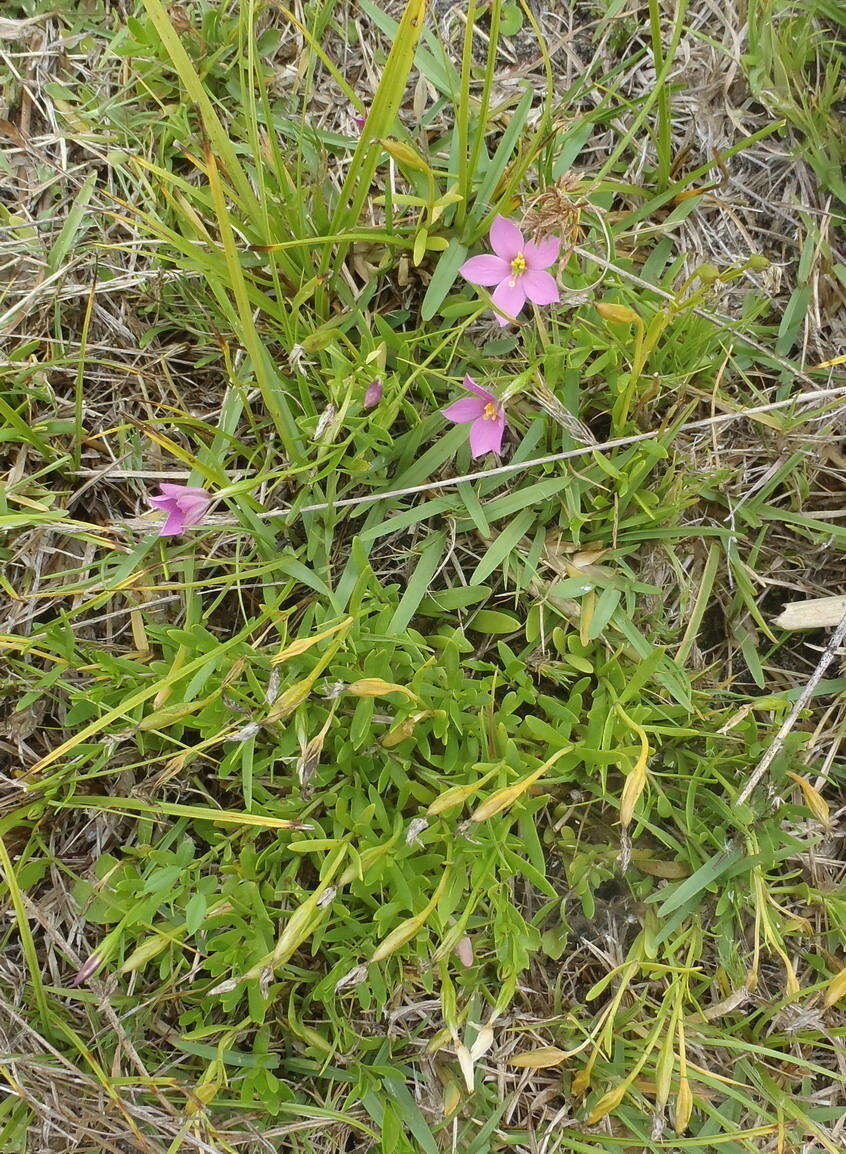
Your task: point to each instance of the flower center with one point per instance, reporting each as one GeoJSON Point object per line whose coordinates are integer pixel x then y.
{"type": "Point", "coordinates": [518, 265]}
{"type": "Point", "coordinates": [490, 413]}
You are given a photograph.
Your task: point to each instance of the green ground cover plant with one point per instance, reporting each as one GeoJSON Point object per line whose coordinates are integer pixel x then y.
{"type": "Point", "coordinates": [418, 777]}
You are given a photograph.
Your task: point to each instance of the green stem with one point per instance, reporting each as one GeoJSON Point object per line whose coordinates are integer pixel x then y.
{"type": "Point", "coordinates": [462, 113]}
{"type": "Point", "coordinates": [663, 142]}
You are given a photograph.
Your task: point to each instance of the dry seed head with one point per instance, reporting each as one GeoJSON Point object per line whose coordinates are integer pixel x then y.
{"type": "Point", "coordinates": [353, 978]}
{"type": "Point", "coordinates": [557, 210]}
{"type": "Point", "coordinates": [415, 828]}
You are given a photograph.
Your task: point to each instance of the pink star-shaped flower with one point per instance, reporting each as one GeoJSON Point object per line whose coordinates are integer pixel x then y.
{"type": "Point", "coordinates": [517, 268]}
{"type": "Point", "coordinates": [484, 413]}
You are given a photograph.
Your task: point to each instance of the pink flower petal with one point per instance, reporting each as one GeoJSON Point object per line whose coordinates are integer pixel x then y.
{"type": "Point", "coordinates": [165, 503]}
{"type": "Point", "coordinates": [543, 254]}
{"type": "Point", "coordinates": [470, 385]}
{"type": "Point", "coordinates": [539, 287]}
{"type": "Point", "coordinates": [486, 436]}
{"type": "Point", "coordinates": [467, 409]}
{"type": "Point", "coordinates": [510, 297]}
{"type": "Point", "coordinates": [192, 512]}
{"type": "Point", "coordinates": [485, 270]}
{"type": "Point", "coordinates": [177, 491]}
{"type": "Point", "coordinates": [174, 524]}
{"type": "Point", "coordinates": [506, 238]}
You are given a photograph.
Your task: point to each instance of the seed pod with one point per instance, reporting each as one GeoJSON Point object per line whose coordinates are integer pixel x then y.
{"type": "Point", "coordinates": [376, 687]}
{"type": "Point", "coordinates": [684, 1105]}
{"type": "Point", "coordinates": [836, 988]}
{"type": "Point", "coordinates": [609, 1101]}
{"type": "Point", "coordinates": [540, 1059]}
{"type": "Point", "coordinates": [814, 800]}
{"type": "Point", "coordinates": [503, 798]}
{"type": "Point", "coordinates": [144, 953]}
{"type": "Point", "coordinates": [408, 929]}
{"type": "Point", "coordinates": [621, 314]}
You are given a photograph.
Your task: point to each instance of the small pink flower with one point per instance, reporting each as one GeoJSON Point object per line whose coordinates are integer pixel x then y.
{"type": "Point", "coordinates": [374, 394]}
{"type": "Point", "coordinates": [517, 269]}
{"type": "Point", "coordinates": [184, 505]}
{"type": "Point", "coordinates": [359, 121]}
{"type": "Point", "coordinates": [486, 414]}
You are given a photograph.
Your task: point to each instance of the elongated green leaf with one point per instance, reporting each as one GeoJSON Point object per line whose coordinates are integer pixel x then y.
{"type": "Point", "coordinates": [217, 134]}
{"type": "Point", "coordinates": [503, 546]}
{"type": "Point", "coordinates": [691, 887]}
{"type": "Point", "coordinates": [482, 204]}
{"type": "Point", "coordinates": [443, 278]}
{"type": "Point", "coordinates": [418, 586]}
{"type": "Point", "coordinates": [433, 60]}
{"type": "Point", "coordinates": [194, 812]}
{"type": "Point", "coordinates": [270, 391]}
{"type": "Point", "coordinates": [73, 222]}
{"type": "Point", "coordinates": [383, 110]}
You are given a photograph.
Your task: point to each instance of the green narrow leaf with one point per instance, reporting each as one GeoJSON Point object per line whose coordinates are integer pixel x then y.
{"type": "Point", "coordinates": [418, 586]}
{"type": "Point", "coordinates": [443, 278]}
{"type": "Point", "coordinates": [271, 393]}
{"type": "Point", "coordinates": [503, 546]}
{"type": "Point", "coordinates": [217, 134]}
{"type": "Point", "coordinates": [73, 221]}
{"type": "Point", "coordinates": [25, 933]}
{"type": "Point", "coordinates": [383, 110]}
{"type": "Point", "coordinates": [500, 159]}
{"type": "Point", "coordinates": [493, 621]}
{"type": "Point", "coordinates": [686, 891]}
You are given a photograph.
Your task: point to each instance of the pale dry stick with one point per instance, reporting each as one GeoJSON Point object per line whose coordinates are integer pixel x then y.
{"type": "Point", "coordinates": [802, 700]}
{"type": "Point", "coordinates": [569, 454]}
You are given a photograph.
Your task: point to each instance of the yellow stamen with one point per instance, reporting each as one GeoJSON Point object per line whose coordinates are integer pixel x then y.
{"type": "Point", "coordinates": [490, 413]}
{"type": "Point", "coordinates": [518, 265]}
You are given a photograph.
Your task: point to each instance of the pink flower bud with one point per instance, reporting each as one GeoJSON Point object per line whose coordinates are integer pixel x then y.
{"type": "Point", "coordinates": [374, 394]}
{"type": "Point", "coordinates": [184, 504]}
{"type": "Point", "coordinates": [87, 969]}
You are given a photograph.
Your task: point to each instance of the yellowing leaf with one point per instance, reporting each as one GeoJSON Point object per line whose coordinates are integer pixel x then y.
{"type": "Point", "coordinates": [539, 1059]}
{"type": "Point", "coordinates": [376, 687]}
{"type": "Point", "coordinates": [621, 314]}
{"type": "Point", "coordinates": [503, 798]}
{"type": "Point", "coordinates": [814, 800]}
{"type": "Point", "coordinates": [452, 1099]}
{"type": "Point", "coordinates": [836, 988]}
{"type": "Point", "coordinates": [657, 868]}
{"type": "Point", "coordinates": [304, 643]}
{"type": "Point", "coordinates": [419, 250]}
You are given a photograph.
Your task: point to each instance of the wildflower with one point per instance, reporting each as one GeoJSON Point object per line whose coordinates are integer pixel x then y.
{"type": "Point", "coordinates": [486, 414]}
{"type": "Point", "coordinates": [359, 122]}
{"type": "Point", "coordinates": [517, 268]}
{"type": "Point", "coordinates": [374, 394]}
{"type": "Point", "coordinates": [184, 505]}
